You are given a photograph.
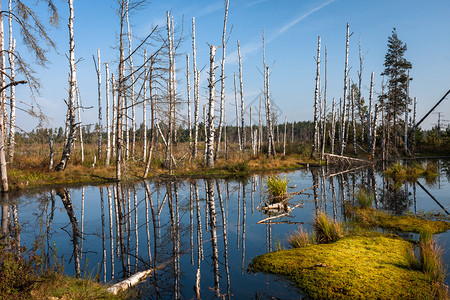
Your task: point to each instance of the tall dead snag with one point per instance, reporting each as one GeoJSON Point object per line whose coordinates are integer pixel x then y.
{"type": "Point", "coordinates": [270, 137]}
{"type": "Point", "coordinates": [342, 121]}
{"type": "Point", "coordinates": [241, 89]}
{"type": "Point", "coordinates": [353, 120]}
{"type": "Point", "coordinates": [333, 126]}
{"type": "Point", "coordinates": [284, 137]}
{"type": "Point", "coordinates": [70, 121]}
{"type": "Point", "coordinates": [222, 82]}
{"type": "Point", "coordinates": [196, 90]}
{"type": "Point", "coordinates": [171, 96]}
{"type": "Point", "coordinates": [108, 119]}
{"type": "Point", "coordinates": [369, 114]}
{"type": "Point", "coordinates": [324, 110]}
{"type": "Point", "coordinates": [80, 129]}
{"type": "Point", "coordinates": [374, 131]}
{"type": "Point", "coordinates": [98, 70]}
{"type": "Point", "coordinates": [153, 117]}
{"type": "Point", "coordinates": [316, 103]}
{"type": "Point", "coordinates": [144, 109]}
{"type": "Point", "coordinates": [120, 87]}
{"type": "Point", "coordinates": [12, 98]}
{"type": "Point", "coordinates": [405, 136]}
{"type": "Point", "coordinates": [188, 93]}
{"type": "Point", "coordinates": [237, 115]}
{"type": "Point", "coordinates": [212, 94]}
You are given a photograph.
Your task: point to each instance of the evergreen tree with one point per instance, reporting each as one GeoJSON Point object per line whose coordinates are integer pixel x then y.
{"type": "Point", "coordinates": [395, 101]}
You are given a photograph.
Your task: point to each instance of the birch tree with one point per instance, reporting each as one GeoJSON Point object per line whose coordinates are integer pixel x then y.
{"type": "Point", "coordinates": [222, 82]}
{"type": "Point", "coordinates": [241, 89]}
{"type": "Point", "coordinates": [316, 102]}
{"type": "Point", "coordinates": [342, 121]}
{"type": "Point", "coordinates": [98, 70]}
{"type": "Point", "coordinates": [70, 120]}
{"type": "Point", "coordinates": [196, 89]}
{"type": "Point", "coordinates": [108, 119]}
{"type": "Point", "coordinates": [212, 82]}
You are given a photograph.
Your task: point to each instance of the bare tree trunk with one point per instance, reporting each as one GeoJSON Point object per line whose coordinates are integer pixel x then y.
{"type": "Point", "coordinates": [342, 127]}
{"type": "Point", "coordinates": [12, 100]}
{"type": "Point", "coordinates": [80, 129]}
{"type": "Point", "coordinates": [168, 161]}
{"type": "Point", "coordinates": [374, 131]}
{"type": "Point", "coordinates": [369, 115]}
{"type": "Point", "coordinates": [251, 133]}
{"type": "Point", "coordinates": [237, 115]}
{"type": "Point", "coordinates": [361, 115]}
{"type": "Point", "coordinates": [333, 127]}
{"type": "Point", "coordinates": [108, 119]}
{"type": "Point", "coordinates": [212, 82]}
{"type": "Point", "coordinates": [50, 144]}
{"type": "Point", "coordinates": [99, 89]}
{"type": "Point", "coordinates": [196, 89]}
{"type": "Point", "coordinates": [284, 137]}
{"type": "Point", "coordinates": [260, 135]}
{"type": "Point", "coordinates": [270, 139]}
{"type": "Point", "coordinates": [241, 85]}
{"type": "Point", "coordinates": [324, 109]}
{"type": "Point", "coordinates": [222, 82]}
{"type": "Point", "coordinates": [316, 103]}
{"type": "Point", "coordinates": [413, 143]}
{"type": "Point", "coordinates": [144, 109]}
{"type": "Point", "coordinates": [71, 99]}
{"type": "Point", "coordinates": [405, 140]}
{"type": "Point", "coordinates": [188, 92]}
{"type": "Point", "coordinates": [153, 120]}
{"type": "Point", "coordinates": [133, 100]}
{"type": "Point", "coordinates": [353, 121]}
{"type": "Point", "coordinates": [120, 97]}
{"type": "Point", "coordinates": [114, 116]}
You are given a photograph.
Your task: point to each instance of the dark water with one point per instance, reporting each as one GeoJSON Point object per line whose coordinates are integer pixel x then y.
{"type": "Point", "coordinates": [201, 232]}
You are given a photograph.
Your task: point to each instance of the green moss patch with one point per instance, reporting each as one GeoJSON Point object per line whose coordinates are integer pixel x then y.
{"type": "Point", "coordinates": [370, 217]}
{"type": "Point", "coordinates": [355, 267]}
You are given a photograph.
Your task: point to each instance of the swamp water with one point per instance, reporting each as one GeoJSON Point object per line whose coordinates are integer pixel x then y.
{"type": "Point", "coordinates": [202, 233]}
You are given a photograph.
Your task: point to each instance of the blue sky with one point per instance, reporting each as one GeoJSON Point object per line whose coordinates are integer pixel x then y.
{"type": "Point", "coordinates": [291, 28]}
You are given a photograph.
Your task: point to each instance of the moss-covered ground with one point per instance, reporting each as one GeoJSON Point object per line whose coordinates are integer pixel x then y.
{"type": "Point", "coordinates": [364, 264]}
{"type": "Point", "coordinates": [355, 267]}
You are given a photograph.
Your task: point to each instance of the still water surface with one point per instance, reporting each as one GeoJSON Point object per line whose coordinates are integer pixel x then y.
{"type": "Point", "coordinates": [202, 233]}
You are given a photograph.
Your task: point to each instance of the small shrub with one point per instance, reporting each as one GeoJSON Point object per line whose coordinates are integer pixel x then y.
{"type": "Point", "coordinates": [327, 230]}
{"type": "Point", "coordinates": [277, 188]}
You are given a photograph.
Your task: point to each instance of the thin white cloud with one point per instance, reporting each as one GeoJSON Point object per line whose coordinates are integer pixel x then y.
{"type": "Point", "coordinates": [256, 45]}
{"type": "Point", "coordinates": [256, 2]}
{"type": "Point", "coordinates": [297, 20]}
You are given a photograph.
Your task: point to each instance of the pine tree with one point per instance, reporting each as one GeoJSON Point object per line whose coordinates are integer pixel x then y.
{"type": "Point", "coordinates": [396, 68]}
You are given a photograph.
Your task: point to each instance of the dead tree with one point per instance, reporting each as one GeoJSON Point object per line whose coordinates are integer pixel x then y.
{"type": "Point", "coordinates": [342, 121]}
{"type": "Point", "coordinates": [196, 90]}
{"type": "Point", "coordinates": [98, 70]}
{"type": "Point", "coordinates": [222, 83]}
{"type": "Point", "coordinates": [241, 89]}
{"type": "Point", "coordinates": [212, 82]}
{"type": "Point", "coordinates": [70, 121]}
{"type": "Point", "coordinates": [108, 119]}
{"type": "Point", "coordinates": [316, 103]}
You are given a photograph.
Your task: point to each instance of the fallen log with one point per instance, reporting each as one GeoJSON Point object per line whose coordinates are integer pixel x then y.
{"type": "Point", "coordinates": [134, 279]}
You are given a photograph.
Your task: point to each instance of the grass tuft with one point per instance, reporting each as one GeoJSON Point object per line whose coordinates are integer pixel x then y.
{"type": "Point", "coordinates": [301, 238]}
{"type": "Point", "coordinates": [364, 199]}
{"type": "Point", "coordinates": [327, 230]}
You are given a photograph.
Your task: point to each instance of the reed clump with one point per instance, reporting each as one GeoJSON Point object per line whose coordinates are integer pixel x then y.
{"type": "Point", "coordinates": [327, 230]}
{"type": "Point", "coordinates": [277, 188]}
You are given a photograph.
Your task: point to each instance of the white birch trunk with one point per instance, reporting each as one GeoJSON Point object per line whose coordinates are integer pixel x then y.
{"type": "Point", "coordinates": [333, 126]}
{"type": "Point", "coordinates": [168, 161]}
{"type": "Point", "coordinates": [324, 109]}
{"type": "Point", "coordinates": [80, 129]}
{"type": "Point", "coordinates": [222, 82]}
{"type": "Point", "coordinates": [188, 92]}
{"type": "Point", "coordinates": [241, 85]}
{"type": "Point", "coordinates": [99, 88]}
{"type": "Point", "coordinates": [12, 99]}
{"type": "Point", "coordinates": [316, 102]}
{"type": "Point", "coordinates": [144, 109]}
{"type": "Point", "coordinates": [114, 116]}
{"type": "Point", "coordinates": [196, 89]}
{"type": "Point", "coordinates": [353, 121]}
{"type": "Point", "coordinates": [369, 115]}
{"type": "Point", "coordinates": [342, 127]}
{"type": "Point", "coordinates": [212, 94]}
{"type": "Point", "coordinates": [405, 140]}
{"type": "Point", "coordinates": [260, 126]}
{"type": "Point", "coordinates": [71, 99]}
{"type": "Point", "coordinates": [133, 100]}
{"type": "Point", "coordinates": [237, 115]}
{"type": "Point", "coordinates": [108, 118]}
{"type": "Point", "coordinates": [374, 131]}
{"type": "Point", "coordinates": [284, 137]}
